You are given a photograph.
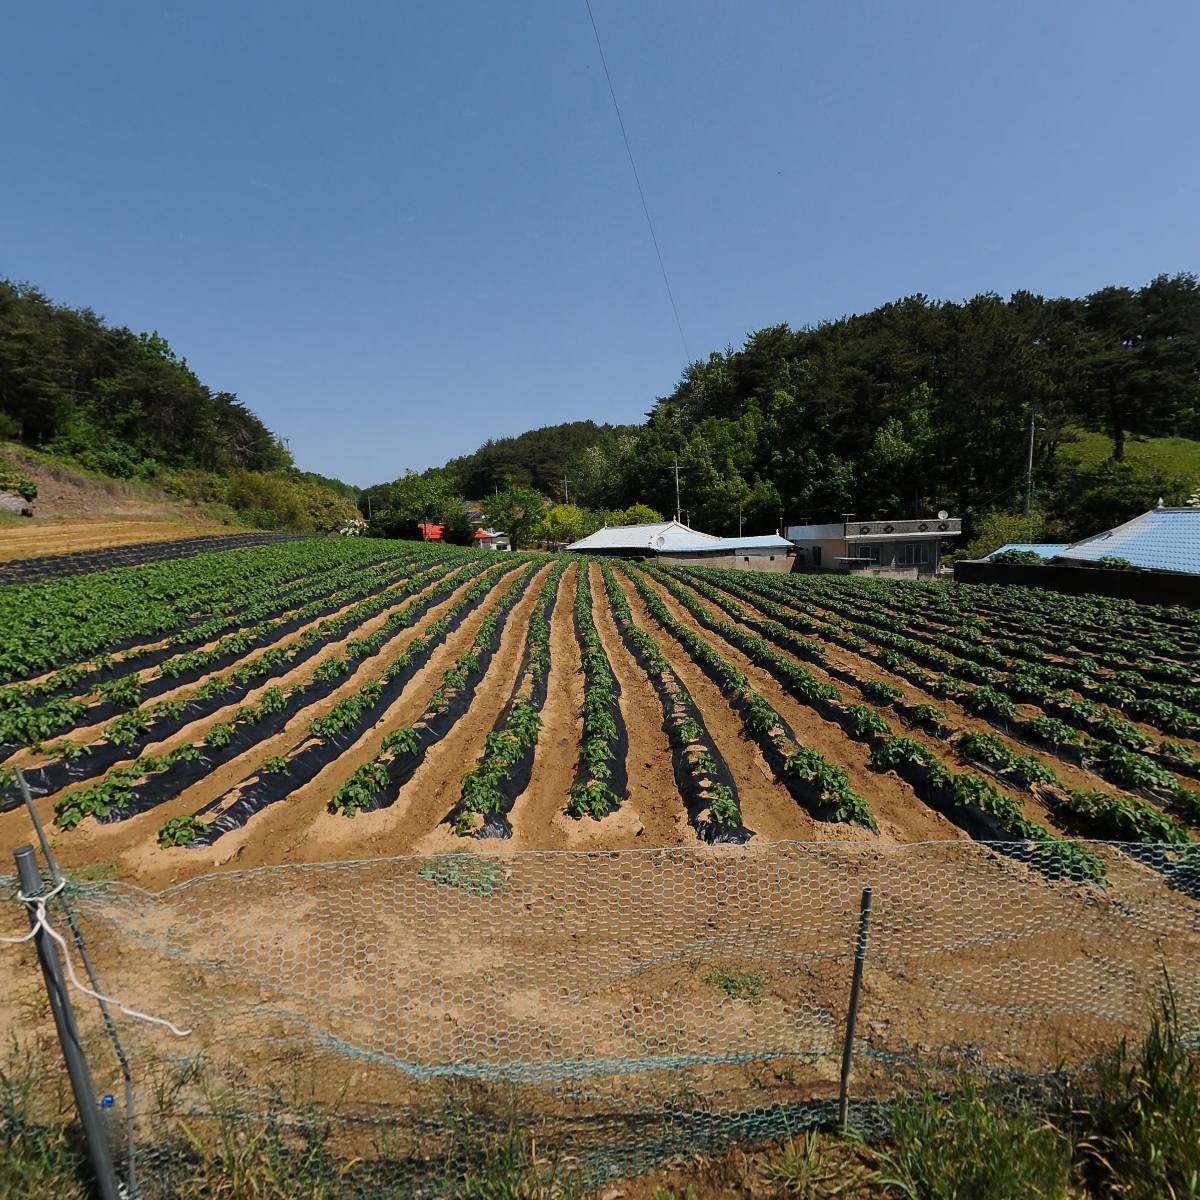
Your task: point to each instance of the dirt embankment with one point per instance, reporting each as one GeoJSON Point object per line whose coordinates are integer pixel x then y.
{"type": "Point", "coordinates": [74, 511]}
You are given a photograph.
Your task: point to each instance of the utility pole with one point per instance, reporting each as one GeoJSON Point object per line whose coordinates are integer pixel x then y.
{"type": "Point", "coordinates": [739, 518]}
{"type": "Point", "coordinates": [676, 469]}
{"type": "Point", "coordinates": [1029, 466]}
{"type": "Point", "coordinates": [566, 490]}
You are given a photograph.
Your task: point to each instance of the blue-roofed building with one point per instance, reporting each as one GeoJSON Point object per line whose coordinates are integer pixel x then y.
{"type": "Point", "coordinates": [1163, 539]}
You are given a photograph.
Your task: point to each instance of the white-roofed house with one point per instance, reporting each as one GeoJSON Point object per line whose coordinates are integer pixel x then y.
{"type": "Point", "coordinates": [676, 542]}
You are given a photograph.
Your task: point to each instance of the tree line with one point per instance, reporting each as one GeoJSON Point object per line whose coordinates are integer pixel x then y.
{"type": "Point", "coordinates": [124, 404]}
{"type": "Point", "coordinates": [917, 405]}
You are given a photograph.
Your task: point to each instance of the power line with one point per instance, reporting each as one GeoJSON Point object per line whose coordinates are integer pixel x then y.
{"type": "Point", "coordinates": [662, 266]}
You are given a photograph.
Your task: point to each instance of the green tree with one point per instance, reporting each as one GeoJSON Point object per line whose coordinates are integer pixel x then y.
{"type": "Point", "coordinates": [414, 498]}
{"type": "Point", "coordinates": [995, 529]}
{"type": "Point", "coordinates": [516, 509]}
{"type": "Point", "coordinates": [563, 523]}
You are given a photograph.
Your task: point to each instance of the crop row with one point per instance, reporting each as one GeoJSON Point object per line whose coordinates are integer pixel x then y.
{"type": "Point", "coordinates": [502, 771]}
{"type": "Point", "coordinates": [377, 782]}
{"type": "Point", "coordinates": [599, 785]}
{"type": "Point", "coordinates": [328, 736]}
{"type": "Point", "coordinates": [823, 787]}
{"type": "Point", "coordinates": [702, 777]}
{"type": "Point", "coordinates": [1113, 747]}
{"type": "Point", "coordinates": [1168, 700]}
{"type": "Point", "coordinates": [26, 725]}
{"type": "Point", "coordinates": [149, 781]}
{"type": "Point", "coordinates": [71, 761]}
{"type": "Point", "coordinates": [966, 799]}
{"type": "Point", "coordinates": [52, 625]}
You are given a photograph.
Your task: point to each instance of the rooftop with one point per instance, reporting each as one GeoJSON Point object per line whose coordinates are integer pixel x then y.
{"type": "Point", "coordinates": [663, 535]}
{"type": "Point", "coordinates": [766, 541]}
{"type": "Point", "coordinates": [1163, 539]}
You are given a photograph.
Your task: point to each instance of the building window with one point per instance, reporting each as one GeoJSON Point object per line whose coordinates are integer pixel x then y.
{"type": "Point", "coordinates": [772, 558]}
{"type": "Point", "coordinates": [868, 554]}
{"type": "Point", "coordinates": [914, 554]}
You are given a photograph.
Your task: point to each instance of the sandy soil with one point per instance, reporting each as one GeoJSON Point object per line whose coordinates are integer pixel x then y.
{"type": "Point", "coordinates": [587, 988]}
{"type": "Point", "coordinates": [901, 815]}
{"type": "Point", "coordinates": [652, 792]}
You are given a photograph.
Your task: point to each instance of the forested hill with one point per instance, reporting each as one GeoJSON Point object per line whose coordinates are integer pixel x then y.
{"type": "Point", "coordinates": [125, 405]}
{"type": "Point", "coordinates": [538, 457]}
{"type": "Point", "coordinates": [916, 405]}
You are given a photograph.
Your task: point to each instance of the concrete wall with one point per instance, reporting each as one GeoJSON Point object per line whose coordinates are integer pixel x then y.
{"type": "Point", "coordinates": [831, 550]}
{"type": "Point", "coordinates": [779, 561]}
{"type": "Point", "coordinates": [1144, 587]}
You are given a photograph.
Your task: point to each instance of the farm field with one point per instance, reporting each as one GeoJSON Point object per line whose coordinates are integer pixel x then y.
{"type": "Point", "coordinates": [348, 698]}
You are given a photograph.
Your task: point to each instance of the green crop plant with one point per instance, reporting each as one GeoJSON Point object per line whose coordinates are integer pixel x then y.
{"type": "Point", "coordinates": [865, 722]}
{"type": "Point", "coordinates": [180, 831]}
{"type": "Point", "coordinates": [1121, 818]}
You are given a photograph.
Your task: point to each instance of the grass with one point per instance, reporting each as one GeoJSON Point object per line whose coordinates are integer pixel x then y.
{"type": "Point", "coordinates": [97, 872]}
{"type": "Point", "coordinates": [1124, 1130]}
{"type": "Point", "coordinates": [474, 875]}
{"type": "Point", "coordinates": [1172, 455]}
{"type": "Point", "coordinates": [738, 985]}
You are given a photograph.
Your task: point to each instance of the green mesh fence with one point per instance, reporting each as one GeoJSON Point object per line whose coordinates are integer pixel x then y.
{"type": "Point", "coordinates": [378, 1023]}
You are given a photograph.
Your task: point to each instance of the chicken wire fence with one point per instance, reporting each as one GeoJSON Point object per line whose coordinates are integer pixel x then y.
{"type": "Point", "coordinates": [375, 1022]}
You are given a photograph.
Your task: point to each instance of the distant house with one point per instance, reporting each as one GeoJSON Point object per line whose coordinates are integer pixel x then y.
{"type": "Point", "coordinates": [904, 549]}
{"type": "Point", "coordinates": [492, 539]}
{"type": "Point", "coordinates": [430, 531]}
{"type": "Point", "coordinates": [676, 542]}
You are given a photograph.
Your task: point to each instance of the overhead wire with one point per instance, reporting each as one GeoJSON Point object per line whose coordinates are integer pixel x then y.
{"type": "Point", "coordinates": [662, 266]}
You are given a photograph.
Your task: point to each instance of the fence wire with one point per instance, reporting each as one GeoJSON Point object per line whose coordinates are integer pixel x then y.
{"type": "Point", "coordinates": [375, 1020]}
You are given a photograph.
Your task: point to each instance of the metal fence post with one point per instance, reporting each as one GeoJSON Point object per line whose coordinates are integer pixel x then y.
{"type": "Point", "coordinates": [56, 878]}
{"type": "Point", "coordinates": [860, 954]}
{"type": "Point", "coordinates": [68, 1034]}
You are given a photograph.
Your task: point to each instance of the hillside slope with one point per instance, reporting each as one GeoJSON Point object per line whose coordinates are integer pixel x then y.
{"type": "Point", "coordinates": [78, 511]}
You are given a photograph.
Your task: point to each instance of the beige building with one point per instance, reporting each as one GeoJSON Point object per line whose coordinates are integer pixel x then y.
{"type": "Point", "coordinates": [899, 549]}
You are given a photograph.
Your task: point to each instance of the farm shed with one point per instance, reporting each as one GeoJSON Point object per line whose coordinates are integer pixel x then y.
{"type": "Point", "coordinates": [906, 549]}
{"type": "Point", "coordinates": [674, 541]}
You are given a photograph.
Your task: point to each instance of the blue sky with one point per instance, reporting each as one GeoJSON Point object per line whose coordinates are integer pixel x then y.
{"type": "Point", "coordinates": [398, 229]}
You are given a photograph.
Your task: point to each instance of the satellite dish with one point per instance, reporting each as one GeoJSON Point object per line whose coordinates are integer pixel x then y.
{"type": "Point", "coordinates": [942, 514]}
{"type": "Point", "coordinates": [660, 541]}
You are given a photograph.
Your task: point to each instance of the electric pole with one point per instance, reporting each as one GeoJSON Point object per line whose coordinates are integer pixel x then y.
{"type": "Point", "coordinates": [675, 468]}
{"type": "Point", "coordinates": [1029, 466]}
{"type": "Point", "coordinates": [739, 518]}
{"type": "Point", "coordinates": [566, 490]}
